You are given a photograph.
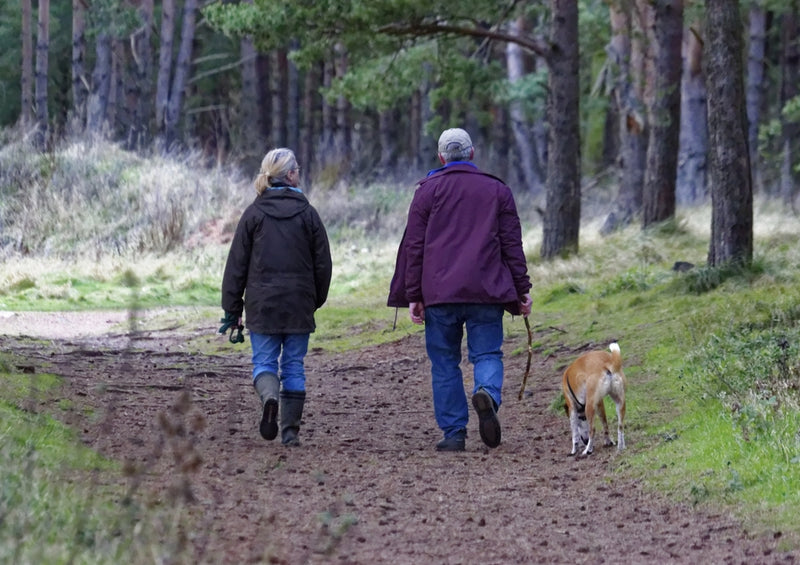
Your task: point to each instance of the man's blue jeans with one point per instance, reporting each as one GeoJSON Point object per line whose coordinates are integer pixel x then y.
{"type": "Point", "coordinates": [283, 355]}
{"type": "Point", "coordinates": [444, 329]}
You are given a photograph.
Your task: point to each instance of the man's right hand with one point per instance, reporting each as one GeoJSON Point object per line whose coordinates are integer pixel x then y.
{"type": "Point", "coordinates": [525, 305]}
{"type": "Point", "coordinates": [417, 312]}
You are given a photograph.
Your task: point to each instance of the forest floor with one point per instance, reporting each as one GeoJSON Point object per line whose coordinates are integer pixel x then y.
{"type": "Point", "coordinates": [366, 486]}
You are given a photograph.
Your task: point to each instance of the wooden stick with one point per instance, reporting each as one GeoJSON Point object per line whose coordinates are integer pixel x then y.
{"type": "Point", "coordinates": [530, 356]}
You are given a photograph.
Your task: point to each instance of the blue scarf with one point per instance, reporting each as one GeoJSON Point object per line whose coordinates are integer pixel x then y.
{"type": "Point", "coordinates": [282, 187]}
{"type": "Point", "coordinates": [451, 163]}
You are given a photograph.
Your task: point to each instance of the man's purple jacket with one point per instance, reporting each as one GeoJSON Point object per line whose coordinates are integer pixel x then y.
{"type": "Point", "coordinates": [462, 243]}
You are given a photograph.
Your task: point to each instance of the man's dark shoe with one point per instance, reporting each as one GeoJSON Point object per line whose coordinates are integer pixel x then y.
{"type": "Point", "coordinates": [488, 424]}
{"type": "Point", "coordinates": [452, 443]}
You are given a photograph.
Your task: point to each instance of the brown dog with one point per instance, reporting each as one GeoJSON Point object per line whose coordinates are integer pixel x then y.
{"type": "Point", "coordinates": [586, 382]}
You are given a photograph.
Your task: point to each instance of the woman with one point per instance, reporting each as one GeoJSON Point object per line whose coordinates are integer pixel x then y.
{"type": "Point", "coordinates": [278, 271]}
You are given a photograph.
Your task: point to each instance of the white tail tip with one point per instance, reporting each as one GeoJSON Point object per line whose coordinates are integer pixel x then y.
{"type": "Point", "coordinates": [614, 347]}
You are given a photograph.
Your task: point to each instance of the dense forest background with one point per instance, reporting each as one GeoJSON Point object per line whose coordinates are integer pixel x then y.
{"type": "Point", "coordinates": [660, 102]}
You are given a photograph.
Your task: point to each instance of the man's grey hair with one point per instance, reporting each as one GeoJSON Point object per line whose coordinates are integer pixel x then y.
{"type": "Point", "coordinates": [457, 154]}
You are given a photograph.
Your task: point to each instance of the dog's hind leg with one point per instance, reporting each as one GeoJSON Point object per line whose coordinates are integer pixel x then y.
{"type": "Point", "coordinates": [601, 411]}
{"type": "Point", "coordinates": [590, 423]}
{"type": "Point", "coordinates": [620, 424]}
{"type": "Point", "coordinates": [574, 426]}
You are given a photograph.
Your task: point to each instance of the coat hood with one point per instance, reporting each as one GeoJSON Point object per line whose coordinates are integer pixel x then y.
{"type": "Point", "coordinates": [281, 202]}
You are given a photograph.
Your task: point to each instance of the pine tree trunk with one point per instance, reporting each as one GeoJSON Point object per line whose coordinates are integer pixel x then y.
{"type": "Point", "coordinates": [387, 134]}
{"type": "Point", "coordinates": [563, 213]}
{"type": "Point", "coordinates": [664, 108]}
{"type": "Point", "coordinates": [164, 62]}
{"type": "Point", "coordinates": [729, 158]}
{"type": "Point", "coordinates": [79, 81]}
{"type": "Point", "coordinates": [26, 84]}
{"type": "Point", "coordinates": [118, 115]}
{"type": "Point", "coordinates": [531, 173]}
{"type": "Point", "coordinates": [264, 101]}
{"type": "Point", "coordinates": [42, 54]}
{"type": "Point", "coordinates": [182, 71]}
{"type": "Point", "coordinates": [692, 164]}
{"type": "Point", "coordinates": [277, 87]}
{"type": "Point", "coordinates": [139, 90]}
{"type": "Point", "coordinates": [97, 105]}
{"type": "Point", "coordinates": [756, 49]}
{"type": "Point", "coordinates": [342, 136]}
{"type": "Point", "coordinates": [626, 53]}
{"type": "Point", "coordinates": [325, 147]}
{"type": "Point", "coordinates": [292, 104]}
{"type": "Point", "coordinates": [790, 77]}
{"type": "Point", "coordinates": [250, 118]}
{"type": "Point", "coordinates": [415, 131]}
{"type": "Point", "coordinates": [308, 127]}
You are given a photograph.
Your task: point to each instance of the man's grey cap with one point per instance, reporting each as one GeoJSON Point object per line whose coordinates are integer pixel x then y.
{"type": "Point", "coordinates": [454, 139]}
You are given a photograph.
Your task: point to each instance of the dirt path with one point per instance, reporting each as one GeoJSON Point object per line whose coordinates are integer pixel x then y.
{"type": "Point", "coordinates": [366, 486]}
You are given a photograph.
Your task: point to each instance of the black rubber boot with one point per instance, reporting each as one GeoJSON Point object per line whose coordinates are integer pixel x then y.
{"type": "Point", "coordinates": [268, 387]}
{"type": "Point", "coordinates": [292, 402]}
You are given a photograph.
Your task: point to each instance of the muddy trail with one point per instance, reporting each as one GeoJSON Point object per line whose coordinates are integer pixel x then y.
{"type": "Point", "coordinates": [366, 486]}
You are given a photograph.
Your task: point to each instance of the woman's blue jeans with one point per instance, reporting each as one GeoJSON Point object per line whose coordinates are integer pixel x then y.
{"type": "Point", "coordinates": [444, 329]}
{"type": "Point", "coordinates": [283, 355]}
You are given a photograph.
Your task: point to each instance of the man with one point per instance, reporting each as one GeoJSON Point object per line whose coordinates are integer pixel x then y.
{"type": "Point", "coordinates": [460, 265]}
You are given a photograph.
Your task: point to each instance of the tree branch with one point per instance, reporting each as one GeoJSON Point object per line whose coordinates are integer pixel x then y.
{"type": "Point", "coordinates": [538, 47]}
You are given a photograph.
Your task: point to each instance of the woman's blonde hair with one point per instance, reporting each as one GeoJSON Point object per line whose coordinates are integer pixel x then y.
{"type": "Point", "coordinates": [275, 167]}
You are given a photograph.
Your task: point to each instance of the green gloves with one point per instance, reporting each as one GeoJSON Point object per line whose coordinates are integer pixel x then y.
{"type": "Point", "coordinates": [231, 322]}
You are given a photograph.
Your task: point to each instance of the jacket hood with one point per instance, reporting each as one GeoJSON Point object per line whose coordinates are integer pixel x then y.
{"type": "Point", "coordinates": [281, 202]}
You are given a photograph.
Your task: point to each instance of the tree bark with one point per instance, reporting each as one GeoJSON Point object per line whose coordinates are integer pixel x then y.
{"type": "Point", "coordinates": [387, 134]}
{"type": "Point", "coordinates": [790, 76]}
{"type": "Point", "coordinates": [140, 90]}
{"type": "Point", "coordinates": [97, 105]}
{"type": "Point", "coordinates": [692, 163]}
{"type": "Point", "coordinates": [342, 136]}
{"type": "Point", "coordinates": [626, 53]}
{"type": "Point", "coordinates": [531, 173]}
{"type": "Point", "coordinates": [292, 104]}
{"type": "Point", "coordinates": [79, 81]}
{"type": "Point", "coordinates": [277, 85]}
{"type": "Point", "coordinates": [182, 70]}
{"type": "Point", "coordinates": [251, 120]}
{"type": "Point", "coordinates": [325, 146]}
{"type": "Point", "coordinates": [264, 101]}
{"type": "Point", "coordinates": [164, 62]}
{"type": "Point", "coordinates": [756, 49]}
{"type": "Point", "coordinates": [42, 54]}
{"type": "Point", "coordinates": [415, 125]}
{"type": "Point", "coordinates": [308, 123]}
{"type": "Point", "coordinates": [26, 83]}
{"type": "Point", "coordinates": [563, 214]}
{"type": "Point", "coordinates": [664, 108]}
{"type": "Point", "coordinates": [729, 157]}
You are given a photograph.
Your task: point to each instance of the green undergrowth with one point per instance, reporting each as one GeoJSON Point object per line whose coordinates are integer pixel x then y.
{"type": "Point", "coordinates": [713, 371]}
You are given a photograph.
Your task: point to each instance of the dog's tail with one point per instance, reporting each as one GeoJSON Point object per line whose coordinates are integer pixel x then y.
{"type": "Point", "coordinates": [616, 357]}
